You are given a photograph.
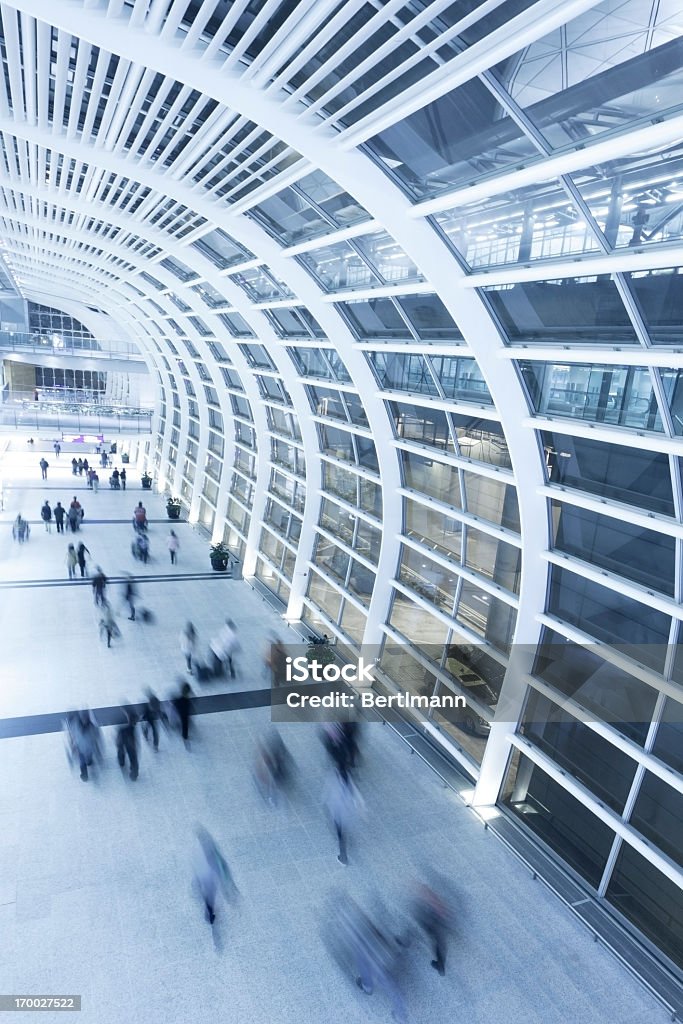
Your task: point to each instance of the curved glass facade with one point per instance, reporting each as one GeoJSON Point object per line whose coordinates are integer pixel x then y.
{"type": "Point", "coordinates": [415, 321]}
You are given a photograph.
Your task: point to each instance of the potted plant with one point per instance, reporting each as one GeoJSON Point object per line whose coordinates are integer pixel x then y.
{"type": "Point", "coordinates": [173, 508]}
{"type": "Point", "coordinates": [220, 556]}
{"type": "Point", "coordinates": [320, 651]}
{"type": "Point", "coordinates": [146, 481]}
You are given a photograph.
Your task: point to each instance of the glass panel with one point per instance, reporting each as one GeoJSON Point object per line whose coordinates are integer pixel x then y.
{"type": "Point", "coordinates": [403, 372]}
{"type": "Point", "coordinates": [429, 317]}
{"type": "Point", "coordinates": [493, 558]}
{"type": "Point", "coordinates": [668, 746]}
{"type": "Point", "coordinates": [367, 453]}
{"type": "Point", "coordinates": [461, 379]}
{"type": "Point", "coordinates": [388, 258]}
{"type": "Point", "coordinates": [220, 249]}
{"type": "Point", "coordinates": [361, 581]}
{"type": "Point", "coordinates": [448, 142]}
{"type": "Point", "coordinates": [370, 497]}
{"type": "Point", "coordinates": [433, 529]}
{"type": "Point", "coordinates": [322, 594]}
{"type": "Point", "coordinates": [560, 820]}
{"type": "Point", "coordinates": [368, 541]}
{"type": "Point", "coordinates": [338, 443]}
{"type": "Point", "coordinates": [417, 625]}
{"type": "Point", "coordinates": [649, 900]}
{"type": "Point", "coordinates": [619, 395]}
{"type": "Point", "coordinates": [492, 619]}
{"type": "Point", "coordinates": [353, 622]}
{"type": "Point", "coordinates": [339, 266]}
{"type": "Point", "coordinates": [331, 558]}
{"type": "Point", "coordinates": [601, 67]}
{"type": "Point", "coordinates": [374, 318]}
{"type": "Point", "coordinates": [660, 298]}
{"type": "Point", "coordinates": [636, 200]}
{"type": "Point", "coordinates": [236, 324]}
{"type": "Point", "coordinates": [432, 478]}
{"type": "Point", "coordinates": [576, 748]}
{"type": "Point", "coordinates": [534, 223]}
{"type": "Point", "coordinates": [423, 425]}
{"type": "Point", "coordinates": [492, 500]}
{"type": "Point", "coordinates": [658, 815]}
{"type": "Point", "coordinates": [337, 481]}
{"type": "Point", "coordinates": [428, 579]}
{"type": "Point", "coordinates": [638, 629]}
{"type": "Point", "coordinates": [573, 311]}
{"type": "Point", "coordinates": [210, 295]}
{"type": "Point", "coordinates": [613, 471]}
{"type": "Point", "coordinates": [481, 440]}
{"type": "Point", "coordinates": [641, 555]}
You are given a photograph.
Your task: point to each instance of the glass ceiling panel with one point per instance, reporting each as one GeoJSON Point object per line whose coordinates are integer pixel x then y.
{"type": "Point", "coordinates": [607, 69]}
{"type": "Point", "coordinates": [637, 201]}
{"type": "Point", "coordinates": [534, 223]}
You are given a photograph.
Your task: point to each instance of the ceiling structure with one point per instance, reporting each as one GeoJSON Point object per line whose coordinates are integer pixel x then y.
{"type": "Point", "coordinates": [407, 276]}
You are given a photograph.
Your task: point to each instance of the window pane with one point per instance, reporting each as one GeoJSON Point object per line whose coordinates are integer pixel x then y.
{"type": "Point", "coordinates": [602, 689]}
{"type": "Point", "coordinates": [640, 631]}
{"type": "Point", "coordinates": [492, 500]}
{"type": "Point", "coordinates": [433, 478]}
{"type": "Point", "coordinates": [658, 815]}
{"type": "Point", "coordinates": [613, 471]}
{"type": "Point", "coordinates": [569, 312]}
{"type": "Point", "coordinates": [576, 748]}
{"type": "Point", "coordinates": [619, 395]}
{"type": "Point", "coordinates": [649, 900]}
{"type": "Point", "coordinates": [640, 555]}
{"type": "Point", "coordinates": [557, 818]}
{"type": "Point", "coordinates": [433, 529]}
{"type": "Point", "coordinates": [423, 425]}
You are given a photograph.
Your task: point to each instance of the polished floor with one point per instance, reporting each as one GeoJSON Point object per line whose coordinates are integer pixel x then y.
{"type": "Point", "coordinates": [95, 879]}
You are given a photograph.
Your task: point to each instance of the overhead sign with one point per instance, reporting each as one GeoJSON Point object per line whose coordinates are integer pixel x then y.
{"type": "Point", "coordinates": [85, 439]}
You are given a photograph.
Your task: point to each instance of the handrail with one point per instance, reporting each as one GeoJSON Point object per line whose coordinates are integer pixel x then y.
{"type": "Point", "coordinates": [15, 341]}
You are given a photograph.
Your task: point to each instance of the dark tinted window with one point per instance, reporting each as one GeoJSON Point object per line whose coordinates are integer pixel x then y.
{"type": "Point", "coordinates": [569, 312]}
{"type": "Point", "coordinates": [631, 475]}
{"type": "Point", "coordinates": [650, 900]}
{"type": "Point", "coordinates": [640, 631]}
{"type": "Point", "coordinates": [560, 820]}
{"type": "Point", "coordinates": [602, 689]}
{"type": "Point", "coordinates": [658, 814]}
{"type": "Point", "coordinates": [640, 555]}
{"type": "Point", "coordinates": [595, 762]}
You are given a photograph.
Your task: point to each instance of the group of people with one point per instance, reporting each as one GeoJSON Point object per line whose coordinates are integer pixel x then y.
{"type": "Point", "coordinates": [83, 735]}
{"type": "Point", "coordinates": [73, 515]}
{"type": "Point", "coordinates": [224, 646]}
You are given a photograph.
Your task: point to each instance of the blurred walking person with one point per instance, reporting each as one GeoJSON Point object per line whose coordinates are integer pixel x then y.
{"type": "Point", "coordinates": [46, 516]}
{"type": "Point", "coordinates": [433, 914]}
{"type": "Point", "coordinates": [182, 705]}
{"type": "Point", "coordinates": [151, 716]}
{"type": "Point", "coordinates": [44, 466]}
{"type": "Point", "coordinates": [344, 803]}
{"type": "Point", "coordinates": [75, 514]}
{"type": "Point", "coordinates": [84, 742]}
{"type": "Point", "coordinates": [71, 561]}
{"type": "Point", "coordinates": [188, 644]}
{"type": "Point", "coordinates": [130, 592]}
{"type": "Point", "coordinates": [127, 743]}
{"type": "Point", "coordinates": [95, 481]}
{"type": "Point", "coordinates": [122, 478]}
{"type": "Point", "coordinates": [212, 874]}
{"type": "Point", "coordinates": [173, 546]}
{"type": "Point", "coordinates": [108, 626]}
{"type": "Point", "coordinates": [81, 552]}
{"type": "Point", "coordinates": [99, 585]}
{"type": "Point", "coordinates": [59, 513]}
{"type": "Point", "coordinates": [21, 531]}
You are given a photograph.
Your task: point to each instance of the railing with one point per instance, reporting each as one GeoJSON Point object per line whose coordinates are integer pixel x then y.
{"type": "Point", "coordinates": [61, 417]}
{"type": "Point", "coordinates": [57, 344]}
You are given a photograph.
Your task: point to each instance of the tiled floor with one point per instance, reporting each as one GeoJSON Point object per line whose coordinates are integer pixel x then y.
{"type": "Point", "coordinates": [95, 879]}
